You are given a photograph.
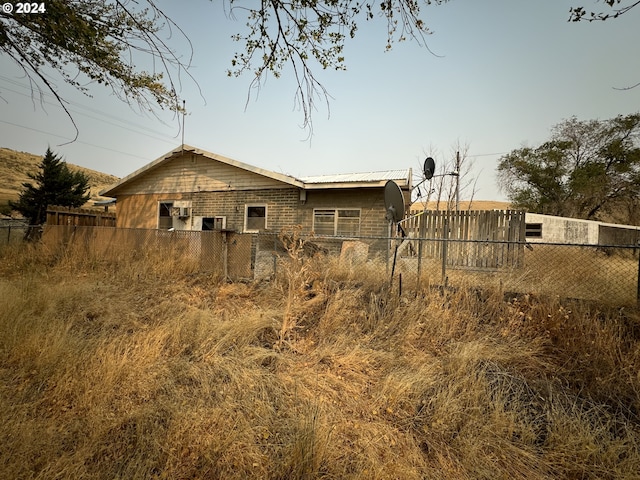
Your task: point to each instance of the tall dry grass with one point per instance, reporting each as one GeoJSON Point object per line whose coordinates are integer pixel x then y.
{"type": "Point", "coordinates": [137, 367]}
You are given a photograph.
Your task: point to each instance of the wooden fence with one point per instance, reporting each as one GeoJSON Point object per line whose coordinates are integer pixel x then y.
{"type": "Point", "coordinates": [225, 253]}
{"type": "Point", "coordinates": [484, 239]}
{"type": "Point", "coordinates": [80, 217]}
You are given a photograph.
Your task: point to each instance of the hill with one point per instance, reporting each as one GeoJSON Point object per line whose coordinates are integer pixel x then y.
{"type": "Point", "coordinates": [16, 166]}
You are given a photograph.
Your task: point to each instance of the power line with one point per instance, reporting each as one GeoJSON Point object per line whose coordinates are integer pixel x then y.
{"type": "Point", "coordinates": [77, 141]}
{"type": "Point", "coordinates": [56, 104]}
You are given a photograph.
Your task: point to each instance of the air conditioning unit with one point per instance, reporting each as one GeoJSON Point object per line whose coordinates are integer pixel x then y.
{"type": "Point", "coordinates": [181, 212]}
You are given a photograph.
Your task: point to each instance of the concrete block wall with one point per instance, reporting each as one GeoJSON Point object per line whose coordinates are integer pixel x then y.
{"type": "Point", "coordinates": [564, 230]}
{"type": "Point", "coordinates": [281, 206]}
{"type": "Point", "coordinates": [284, 207]}
{"type": "Point", "coordinates": [370, 201]}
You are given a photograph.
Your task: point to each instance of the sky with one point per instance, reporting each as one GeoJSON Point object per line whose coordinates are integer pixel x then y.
{"type": "Point", "coordinates": [497, 75]}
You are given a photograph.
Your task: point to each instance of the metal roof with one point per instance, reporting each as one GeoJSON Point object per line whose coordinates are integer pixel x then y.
{"type": "Point", "coordinates": [359, 177]}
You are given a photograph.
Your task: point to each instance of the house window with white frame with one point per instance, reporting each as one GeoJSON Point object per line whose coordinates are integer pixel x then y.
{"type": "Point", "coordinates": [343, 222]}
{"type": "Point", "coordinates": [165, 218]}
{"type": "Point", "coordinates": [214, 223]}
{"type": "Point", "coordinates": [255, 218]}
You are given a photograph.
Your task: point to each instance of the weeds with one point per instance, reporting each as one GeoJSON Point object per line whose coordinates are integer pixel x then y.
{"type": "Point", "coordinates": [128, 368]}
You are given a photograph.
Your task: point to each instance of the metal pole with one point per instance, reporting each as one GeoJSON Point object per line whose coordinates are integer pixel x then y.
{"type": "Point", "coordinates": [421, 236]}
{"type": "Point", "coordinates": [225, 256]}
{"type": "Point", "coordinates": [275, 254]}
{"type": "Point", "coordinates": [389, 245]}
{"type": "Point", "coordinates": [457, 181]}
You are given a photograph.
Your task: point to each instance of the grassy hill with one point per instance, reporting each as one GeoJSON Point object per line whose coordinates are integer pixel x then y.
{"type": "Point", "coordinates": [15, 167]}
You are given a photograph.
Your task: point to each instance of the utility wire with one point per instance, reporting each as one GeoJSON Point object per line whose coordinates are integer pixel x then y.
{"type": "Point", "coordinates": [45, 96]}
{"type": "Point", "coordinates": [77, 141]}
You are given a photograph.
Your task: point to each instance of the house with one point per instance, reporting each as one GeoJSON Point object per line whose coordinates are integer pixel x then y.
{"type": "Point", "coordinates": [192, 189]}
{"type": "Point", "coordinates": [541, 228]}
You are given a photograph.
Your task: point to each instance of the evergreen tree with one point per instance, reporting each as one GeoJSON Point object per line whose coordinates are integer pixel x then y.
{"type": "Point", "coordinates": [55, 184]}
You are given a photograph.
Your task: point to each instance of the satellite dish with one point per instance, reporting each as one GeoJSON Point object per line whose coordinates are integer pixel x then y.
{"type": "Point", "coordinates": [393, 202]}
{"type": "Point", "coordinates": [429, 168]}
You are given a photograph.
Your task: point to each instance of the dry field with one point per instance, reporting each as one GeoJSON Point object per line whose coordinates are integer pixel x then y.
{"type": "Point", "coordinates": [133, 368]}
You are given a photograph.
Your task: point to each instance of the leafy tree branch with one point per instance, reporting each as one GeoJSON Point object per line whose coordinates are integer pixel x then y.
{"type": "Point", "coordinates": [97, 41]}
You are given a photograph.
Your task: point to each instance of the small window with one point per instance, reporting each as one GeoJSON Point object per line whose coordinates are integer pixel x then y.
{"type": "Point", "coordinates": [214, 223]}
{"type": "Point", "coordinates": [165, 220]}
{"type": "Point", "coordinates": [324, 222]}
{"type": "Point", "coordinates": [348, 223]}
{"type": "Point", "coordinates": [533, 230]}
{"type": "Point", "coordinates": [255, 218]}
{"type": "Point", "coordinates": [336, 221]}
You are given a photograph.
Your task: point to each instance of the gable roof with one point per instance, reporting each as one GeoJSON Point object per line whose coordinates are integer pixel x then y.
{"type": "Point", "coordinates": [346, 180]}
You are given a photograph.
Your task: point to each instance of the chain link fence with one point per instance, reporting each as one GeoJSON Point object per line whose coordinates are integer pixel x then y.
{"type": "Point", "coordinates": [603, 273]}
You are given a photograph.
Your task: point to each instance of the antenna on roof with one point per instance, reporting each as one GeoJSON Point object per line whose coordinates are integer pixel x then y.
{"type": "Point", "coordinates": [184, 114]}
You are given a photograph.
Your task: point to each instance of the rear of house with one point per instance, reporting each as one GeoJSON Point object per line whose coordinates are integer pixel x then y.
{"type": "Point", "coordinates": [191, 189]}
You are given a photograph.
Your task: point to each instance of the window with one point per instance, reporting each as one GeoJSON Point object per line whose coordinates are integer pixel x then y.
{"type": "Point", "coordinates": [165, 220]}
{"type": "Point", "coordinates": [336, 221]}
{"type": "Point", "coordinates": [533, 230]}
{"type": "Point", "coordinates": [214, 223]}
{"type": "Point", "coordinates": [255, 218]}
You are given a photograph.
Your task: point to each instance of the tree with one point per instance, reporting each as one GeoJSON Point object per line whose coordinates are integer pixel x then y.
{"type": "Point", "coordinates": [588, 169]}
{"type": "Point", "coordinates": [453, 178]}
{"type": "Point", "coordinates": [95, 41]}
{"type": "Point", "coordinates": [297, 33]}
{"type": "Point", "coordinates": [103, 41]}
{"type": "Point", "coordinates": [55, 184]}
{"type": "Point", "coordinates": [618, 8]}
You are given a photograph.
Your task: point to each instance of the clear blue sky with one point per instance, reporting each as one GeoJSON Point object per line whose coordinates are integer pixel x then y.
{"type": "Point", "coordinates": [506, 72]}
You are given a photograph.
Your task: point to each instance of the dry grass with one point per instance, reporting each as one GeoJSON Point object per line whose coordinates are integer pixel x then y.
{"type": "Point", "coordinates": [139, 368]}
{"type": "Point", "coordinates": [569, 271]}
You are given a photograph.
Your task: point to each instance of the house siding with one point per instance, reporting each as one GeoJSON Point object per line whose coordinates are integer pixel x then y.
{"type": "Point", "coordinates": [141, 211]}
{"type": "Point", "coordinates": [210, 187]}
{"type": "Point", "coordinates": [578, 231]}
